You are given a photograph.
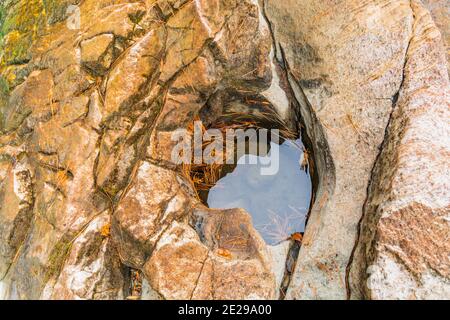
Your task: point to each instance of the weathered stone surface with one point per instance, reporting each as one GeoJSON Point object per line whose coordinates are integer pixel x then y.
{"type": "Point", "coordinates": [138, 64]}
{"type": "Point", "coordinates": [148, 293]}
{"type": "Point", "coordinates": [177, 263]}
{"type": "Point", "coordinates": [403, 251]}
{"type": "Point", "coordinates": [243, 280]}
{"type": "Point", "coordinates": [239, 264]}
{"type": "Point", "coordinates": [34, 97]}
{"type": "Point", "coordinates": [153, 202]}
{"type": "Point", "coordinates": [65, 202]}
{"type": "Point", "coordinates": [16, 211]}
{"type": "Point", "coordinates": [224, 259]}
{"type": "Point", "coordinates": [88, 188]}
{"type": "Point", "coordinates": [99, 17]}
{"type": "Point", "coordinates": [440, 11]}
{"type": "Point", "coordinates": [279, 254]}
{"type": "Point", "coordinates": [93, 269]}
{"type": "Point", "coordinates": [345, 63]}
{"type": "Point", "coordinates": [94, 55]}
{"type": "Point", "coordinates": [91, 107]}
{"type": "Point", "coordinates": [185, 98]}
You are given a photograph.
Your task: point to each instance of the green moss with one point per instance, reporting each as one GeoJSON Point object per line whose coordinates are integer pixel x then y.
{"type": "Point", "coordinates": [56, 9]}
{"type": "Point", "coordinates": [4, 93]}
{"type": "Point", "coordinates": [57, 257]}
{"type": "Point", "coordinates": [2, 20]}
{"type": "Point", "coordinates": [4, 86]}
{"type": "Point", "coordinates": [21, 21]}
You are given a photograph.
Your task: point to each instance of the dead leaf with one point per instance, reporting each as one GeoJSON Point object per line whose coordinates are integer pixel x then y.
{"type": "Point", "coordinates": [297, 237]}
{"type": "Point", "coordinates": [224, 253]}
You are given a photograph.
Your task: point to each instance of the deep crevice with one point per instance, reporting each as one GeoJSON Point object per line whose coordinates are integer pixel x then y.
{"type": "Point", "coordinates": [394, 99]}
{"type": "Point", "coordinates": [310, 131]}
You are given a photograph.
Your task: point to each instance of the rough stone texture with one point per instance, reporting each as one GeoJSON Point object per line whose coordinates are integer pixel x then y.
{"type": "Point", "coordinates": [403, 251]}
{"type": "Point", "coordinates": [16, 207]}
{"type": "Point", "coordinates": [96, 53]}
{"type": "Point", "coordinates": [81, 149]}
{"type": "Point", "coordinates": [93, 270]}
{"type": "Point", "coordinates": [192, 265]}
{"type": "Point", "coordinates": [279, 254]}
{"type": "Point", "coordinates": [440, 11]}
{"type": "Point", "coordinates": [88, 188]}
{"type": "Point", "coordinates": [153, 202]}
{"type": "Point", "coordinates": [345, 62]}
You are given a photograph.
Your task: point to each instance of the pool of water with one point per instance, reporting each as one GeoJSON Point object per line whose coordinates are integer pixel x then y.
{"type": "Point", "coordinates": [278, 203]}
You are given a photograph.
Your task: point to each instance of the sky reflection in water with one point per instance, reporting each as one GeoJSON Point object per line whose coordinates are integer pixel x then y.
{"type": "Point", "coordinates": [278, 204]}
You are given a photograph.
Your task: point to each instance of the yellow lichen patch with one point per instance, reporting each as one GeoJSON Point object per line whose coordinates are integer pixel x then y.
{"type": "Point", "coordinates": [10, 77]}
{"type": "Point", "coordinates": [105, 231]}
{"type": "Point", "coordinates": [21, 25]}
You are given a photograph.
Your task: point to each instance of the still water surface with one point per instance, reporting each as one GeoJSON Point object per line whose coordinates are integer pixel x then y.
{"type": "Point", "coordinates": [277, 203]}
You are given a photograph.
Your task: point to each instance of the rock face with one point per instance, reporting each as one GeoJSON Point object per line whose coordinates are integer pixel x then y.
{"type": "Point", "coordinates": [346, 69]}
{"type": "Point", "coordinates": [440, 12]}
{"type": "Point", "coordinates": [91, 92]}
{"type": "Point", "coordinates": [403, 251]}
{"type": "Point", "coordinates": [88, 186]}
{"type": "Point", "coordinates": [351, 66]}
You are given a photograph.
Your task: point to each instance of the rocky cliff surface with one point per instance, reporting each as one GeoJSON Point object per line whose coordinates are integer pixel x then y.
{"type": "Point", "coordinates": [91, 92]}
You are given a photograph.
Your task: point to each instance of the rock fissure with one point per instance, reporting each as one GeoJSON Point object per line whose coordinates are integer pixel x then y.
{"type": "Point", "coordinates": [394, 100]}
{"type": "Point", "coordinates": [398, 223]}
{"type": "Point", "coordinates": [280, 58]}
{"type": "Point", "coordinates": [90, 113]}
{"type": "Point", "coordinates": [199, 275]}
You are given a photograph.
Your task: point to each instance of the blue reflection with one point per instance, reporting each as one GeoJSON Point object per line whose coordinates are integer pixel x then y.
{"type": "Point", "coordinates": [278, 203]}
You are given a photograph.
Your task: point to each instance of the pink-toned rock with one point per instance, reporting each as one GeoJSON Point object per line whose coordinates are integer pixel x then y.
{"type": "Point", "coordinates": [403, 251]}
{"type": "Point", "coordinates": [440, 12]}
{"type": "Point", "coordinates": [16, 211]}
{"type": "Point", "coordinates": [88, 114]}
{"type": "Point", "coordinates": [224, 259]}
{"type": "Point", "coordinates": [153, 201]}
{"type": "Point", "coordinates": [345, 64]}
{"type": "Point", "coordinates": [177, 263]}
{"type": "Point", "coordinates": [92, 271]}
{"type": "Point", "coordinates": [238, 265]}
